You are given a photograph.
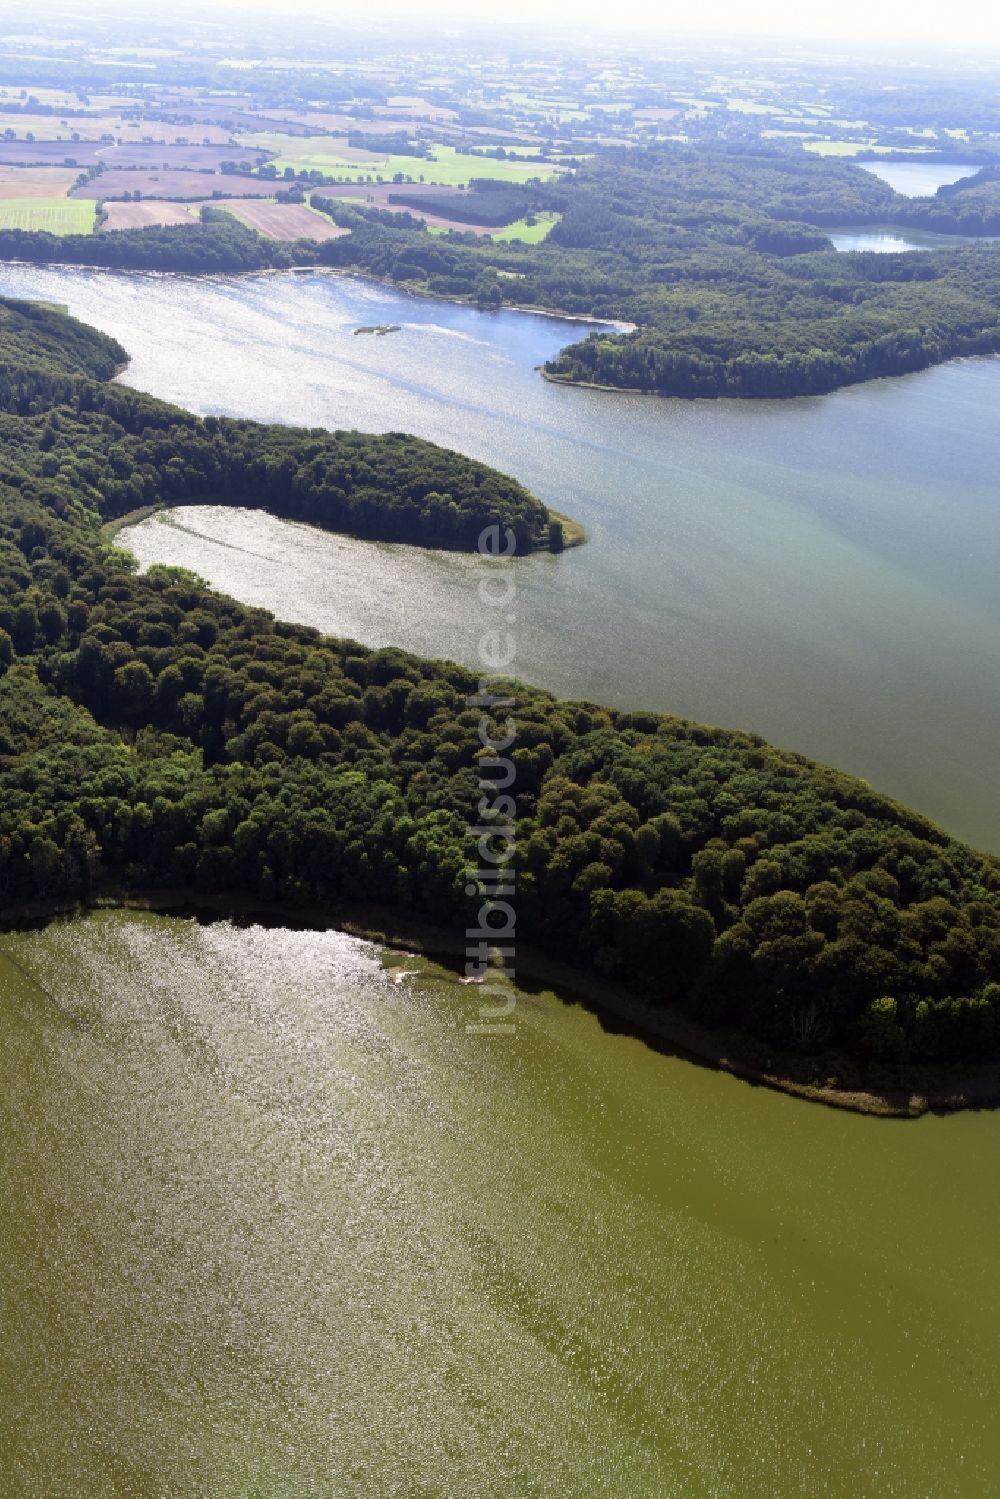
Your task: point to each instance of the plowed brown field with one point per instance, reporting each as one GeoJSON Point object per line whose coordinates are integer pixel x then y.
{"type": "Point", "coordinates": [165, 183]}
{"type": "Point", "coordinates": [283, 220]}
{"type": "Point", "coordinates": [148, 212]}
{"type": "Point", "coordinates": [36, 182]}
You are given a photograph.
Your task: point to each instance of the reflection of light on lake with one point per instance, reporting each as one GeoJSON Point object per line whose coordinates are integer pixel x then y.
{"type": "Point", "coordinates": [271, 1212]}
{"type": "Point", "coordinates": [919, 179]}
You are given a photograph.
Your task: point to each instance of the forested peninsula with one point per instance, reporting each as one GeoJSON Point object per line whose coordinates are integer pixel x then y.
{"type": "Point", "coordinates": [718, 255]}
{"type": "Point", "coordinates": [100, 449]}
{"type": "Point", "coordinates": [155, 735]}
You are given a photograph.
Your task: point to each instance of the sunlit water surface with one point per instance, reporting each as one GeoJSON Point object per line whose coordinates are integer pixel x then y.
{"type": "Point", "coordinates": [274, 1226]}
{"type": "Point", "coordinates": [919, 179]}
{"type": "Point", "coordinates": [892, 241]}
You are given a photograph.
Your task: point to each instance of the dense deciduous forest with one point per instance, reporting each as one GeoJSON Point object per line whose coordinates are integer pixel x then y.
{"type": "Point", "coordinates": [718, 255]}
{"type": "Point", "coordinates": [492, 204]}
{"type": "Point", "coordinates": [802, 326]}
{"type": "Point", "coordinates": [156, 734]}
{"type": "Point", "coordinates": [719, 258]}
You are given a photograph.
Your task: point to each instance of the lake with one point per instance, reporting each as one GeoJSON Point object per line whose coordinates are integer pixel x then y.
{"type": "Point", "coordinates": [822, 570]}
{"type": "Point", "coordinates": [275, 1226]}
{"type": "Point", "coordinates": [919, 179]}
{"type": "Point", "coordinates": [891, 241]}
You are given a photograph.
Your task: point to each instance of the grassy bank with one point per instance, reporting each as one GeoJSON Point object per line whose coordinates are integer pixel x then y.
{"type": "Point", "coordinates": [573, 533]}
{"type": "Point", "coordinates": [111, 528]}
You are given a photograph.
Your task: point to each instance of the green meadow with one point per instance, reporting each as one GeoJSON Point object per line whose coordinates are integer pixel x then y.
{"type": "Point", "coordinates": [530, 234]}
{"type": "Point", "coordinates": [56, 215]}
{"type": "Point", "coordinates": [449, 168]}
{"type": "Point", "coordinates": [851, 148]}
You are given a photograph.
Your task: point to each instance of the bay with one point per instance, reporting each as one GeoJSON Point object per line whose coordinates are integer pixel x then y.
{"type": "Point", "coordinates": [919, 179]}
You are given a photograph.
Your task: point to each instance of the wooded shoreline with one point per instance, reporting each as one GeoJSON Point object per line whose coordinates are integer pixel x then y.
{"type": "Point", "coordinates": [708, 270]}
{"type": "Point", "coordinates": [666, 1028]}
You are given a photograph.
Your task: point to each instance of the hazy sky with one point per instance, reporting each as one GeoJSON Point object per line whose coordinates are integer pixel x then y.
{"type": "Point", "coordinates": [959, 23]}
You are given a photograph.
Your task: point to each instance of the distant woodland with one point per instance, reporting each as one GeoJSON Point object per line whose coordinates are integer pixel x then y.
{"type": "Point", "coordinates": [718, 254]}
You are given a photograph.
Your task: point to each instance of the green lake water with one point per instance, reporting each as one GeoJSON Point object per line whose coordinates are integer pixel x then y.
{"type": "Point", "coordinates": [275, 1225]}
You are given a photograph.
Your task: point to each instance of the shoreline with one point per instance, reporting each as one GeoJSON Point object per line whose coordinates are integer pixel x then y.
{"type": "Point", "coordinates": [615, 390]}
{"type": "Point", "coordinates": [667, 1028]}
{"type": "Point", "coordinates": [423, 294]}
{"type": "Point", "coordinates": [666, 1025]}
{"type": "Point", "coordinates": [109, 529]}
{"type": "Point", "coordinates": [788, 396]}
{"type": "Point", "coordinates": [573, 531]}
{"type": "Point", "coordinates": [617, 326]}
{"type": "Point", "coordinates": [574, 534]}
{"type": "Point", "coordinates": [405, 288]}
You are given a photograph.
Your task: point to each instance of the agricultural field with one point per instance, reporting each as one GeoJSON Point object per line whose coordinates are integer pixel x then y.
{"type": "Point", "coordinates": [378, 194]}
{"type": "Point", "coordinates": [160, 137]}
{"type": "Point", "coordinates": [545, 109]}
{"type": "Point", "coordinates": [36, 182]}
{"type": "Point", "coordinates": [55, 215]}
{"type": "Point", "coordinates": [191, 157]}
{"type": "Point", "coordinates": [325, 121]}
{"type": "Point", "coordinates": [408, 103]}
{"type": "Point", "coordinates": [496, 137]}
{"type": "Point", "coordinates": [78, 104]}
{"type": "Point", "coordinates": [851, 148]}
{"type": "Point", "coordinates": [167, 183]}
{"type": "Point", "coordinates": [71, 128]}
{"type": "Point", "coordinates": [449, 167]}
{"type": "Point", "coordinates": [311, 150]}
{"type": "Point", "coordinates": [75, 128]}
{"type": "Point", "coordinates": [56, 98]}
{"type": "Point", "coordinates": [282, 220]}
{"type": "Point", "coordinates": [529, 233]}
{"type": "Point", "coordinates": [147, 214]}
{"type": "Point", "coordinates": [437, 225]}
{"type": "Point", "coordinates": [190, 98]}
{"type": "Point", "coordinates": [198, 132]}
{"type": "Point", "coordinates": [48, 153]}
